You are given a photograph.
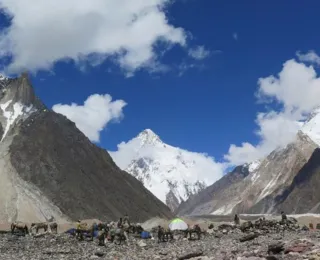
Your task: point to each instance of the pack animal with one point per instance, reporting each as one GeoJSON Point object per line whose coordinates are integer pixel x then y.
{"type": "Point", "coordinates": [20, 226]}
{"type": "Point", "coordinates": [103, 230]}
{"type": "Point", "coordinates": [164, 235]}
{"type": "Point", "coordinates": [117, 235]}
{"type": "Point", "coordinates": [133, 229]}
{"type": "Point", "coordinates": [38, 226]}
{"type": "Point", "coordinates": [54, 227]}
{"type": "Point", "coordinates": [246, 226]}
{"type": "Point", "coordinates": [84, 228]}
{"type": "Point", "coordinates": [195, 230]}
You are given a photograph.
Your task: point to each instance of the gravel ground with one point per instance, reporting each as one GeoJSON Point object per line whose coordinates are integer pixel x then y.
{"type": "Point", "coordinates": [296, 245]}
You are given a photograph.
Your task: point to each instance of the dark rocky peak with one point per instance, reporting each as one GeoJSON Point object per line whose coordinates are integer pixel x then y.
{"type": "Point", "coordinates": [303, 189]}
{"type": "Point", "coordinates": [81, 179]}
{"type": "Point", "coordinates": [172, 201]}
{"type": "Point", "coordinates": [242, 170]}
{"type": "Point", "coordinates": [17, 102]}
{"type": "Point", "coordinates": [20, 90]}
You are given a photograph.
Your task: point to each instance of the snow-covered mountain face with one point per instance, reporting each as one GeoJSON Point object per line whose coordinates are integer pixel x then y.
{"type": "Point", "coordinates": [171, 173]}
{"type": "Point", "coordinates": [268, 180]}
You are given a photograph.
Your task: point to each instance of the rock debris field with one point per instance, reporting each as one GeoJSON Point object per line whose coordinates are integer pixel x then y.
{"type": "Point", "coordinates": [220, 244]}
{"type": "Point", "coordinates": [262, 240]}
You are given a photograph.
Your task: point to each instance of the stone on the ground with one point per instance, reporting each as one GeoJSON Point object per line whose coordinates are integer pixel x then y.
{"type": "Point", "coordinates": [248, 237]}
{"type": "Point", "coordinates": [190, 255]}
{"type": "Point", "coordinates": [267, 245]}
{"type": "Point", "coordinates": [276, 248]}
{"type": "Point", "coordinates": [142, 244]}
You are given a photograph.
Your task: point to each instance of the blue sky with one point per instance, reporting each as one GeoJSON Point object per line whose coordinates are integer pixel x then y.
{"type": "Point", "coordinates": [209, 106]}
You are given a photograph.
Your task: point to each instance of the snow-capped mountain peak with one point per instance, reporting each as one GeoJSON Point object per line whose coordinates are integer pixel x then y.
{"type": "Point", "coordinates": [148, 137]}
{"type": "Point", "coordinates": [2, 77]}
{"type": "Point", "coordinates": [170, 173]}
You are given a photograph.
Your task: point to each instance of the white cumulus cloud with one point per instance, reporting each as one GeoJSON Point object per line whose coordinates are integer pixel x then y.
{"type": "Point", "coordinates": [310, 56]}
{"type": "Point", "coordinates": [199, 53]}
{"type": "Point", "coordinates": [297, 89]}
{"type": "Point", "coordinates": [44, 32]}
{"type": "Point", "coordinates": [94, 115]}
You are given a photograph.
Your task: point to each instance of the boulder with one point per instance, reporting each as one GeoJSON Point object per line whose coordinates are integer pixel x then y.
{"type": "Point", "coordinates": [298, 246]}
{"type": "Point", "coordinates": [190, 255]}
{"type": "Point", "coordinates": [248, 237]}
{"type": "Point", "coordinates": [276, 248]}
{"type": "Point", "coordinates": [142, 244]}
{"type": "Point", "coordinates": [225, 226]}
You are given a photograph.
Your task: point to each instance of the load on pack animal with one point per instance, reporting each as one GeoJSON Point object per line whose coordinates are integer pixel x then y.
{"type": "Point", "coordinates": [83, 228]}
{"type": "Point", "coordinates": [133, 228]}
{"type": "Point", "coordinates": [113, 233]}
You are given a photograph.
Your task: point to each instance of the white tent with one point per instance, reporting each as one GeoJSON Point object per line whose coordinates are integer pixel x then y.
{"type": "Point", "coordinates": [178, 224]}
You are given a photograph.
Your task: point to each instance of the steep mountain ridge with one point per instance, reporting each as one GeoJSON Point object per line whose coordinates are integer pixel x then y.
{"type": "Point", "coordinates": [202, 203]}
{"type": "Point", "coordinates": [274, 175]}
{"type": "Point", "coordinates": [51, 169]}
{"type": "Point", "coordinates": [303, 194]}
{"type": "Point", "coordinates": [257, 191]}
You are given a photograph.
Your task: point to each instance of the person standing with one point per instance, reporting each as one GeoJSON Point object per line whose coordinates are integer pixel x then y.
{"type": "Point", "coordinates": [236, 219]}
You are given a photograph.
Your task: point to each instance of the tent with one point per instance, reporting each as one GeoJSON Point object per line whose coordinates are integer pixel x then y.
{"type": "Point", "coordinates": [178, 224]}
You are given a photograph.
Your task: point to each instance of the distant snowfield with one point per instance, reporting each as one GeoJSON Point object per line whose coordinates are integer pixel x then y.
{"type": "Point", "coordinates": [305, 215]}
{"type": "Point", "coordinates": [289, 215]}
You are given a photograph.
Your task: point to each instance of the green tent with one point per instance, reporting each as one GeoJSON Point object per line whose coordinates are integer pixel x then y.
{"type": "Point", "coordinates": [178, 224]}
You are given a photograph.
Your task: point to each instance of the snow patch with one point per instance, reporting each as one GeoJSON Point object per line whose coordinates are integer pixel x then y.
{"type": "Point", "coordinates": [225, 210]}
{"type": "Point", "coordinates": [19, 110]}
{"type": "Point", "coordinates": [2, 77]}
{"type": "Point", "coordinates": [269, 188]}
{"type": "Point", "coordinates": [255, 176]}
{"type": "Point", "coordinates": [305, 215]}
{"type": "Point", "coordinates": [252, 215]}
{"type": "Point", "coordinates": [254, 165]}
